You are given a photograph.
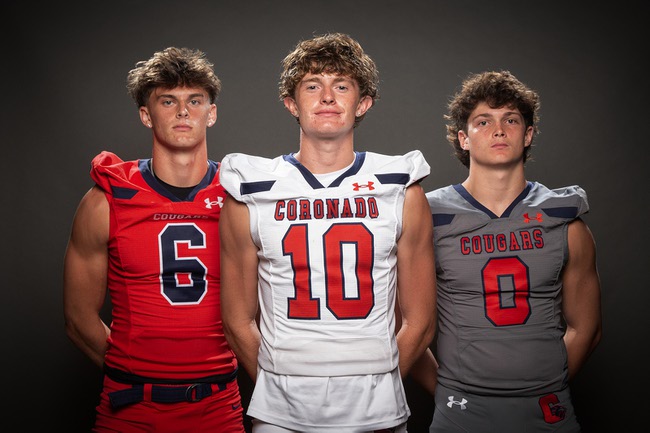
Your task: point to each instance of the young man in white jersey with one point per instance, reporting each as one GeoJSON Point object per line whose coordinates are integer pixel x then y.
{"type": "Point", "coordinates": [518, 287]}
{"type": "Point", "coordinates": [325, 244]}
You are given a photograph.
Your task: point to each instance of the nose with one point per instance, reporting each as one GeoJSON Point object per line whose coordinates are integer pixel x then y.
{"type": "Point", "coordinates": [182, 112]}
{"type": "Point", "coordinates": [328, 96]}
{"type": "Point", "coordinates": [498, 131]}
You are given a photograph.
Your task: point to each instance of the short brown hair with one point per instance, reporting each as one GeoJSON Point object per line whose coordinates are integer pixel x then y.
{"type": "Point", "coordinates": [169, 68]}
{"type": "Point", "coordinates": [333, 53]}
{"type": "Point", "coordinates": [497, 89]}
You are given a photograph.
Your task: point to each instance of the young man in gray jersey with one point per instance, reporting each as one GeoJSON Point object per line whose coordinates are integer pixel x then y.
{"type": "Point", "coordinates": [518, 288]}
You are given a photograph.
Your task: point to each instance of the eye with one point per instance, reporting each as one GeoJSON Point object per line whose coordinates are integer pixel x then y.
{"type": "Point", "coordinates": [167, 102]}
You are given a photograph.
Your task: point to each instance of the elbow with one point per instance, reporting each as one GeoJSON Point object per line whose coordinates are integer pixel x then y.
{"type": "Point", "coordinates": [430, 332]}
{"type": "Point", "coordinates": [72, 330]}
{"type": "Point", "coordinates": [228, 332]}
{"type": "Point", "coordinates": [432, 326]}
{"type": "Point", "coordinates": [234, 331]}
{"type": "Point", "coordinates": [598, 335]}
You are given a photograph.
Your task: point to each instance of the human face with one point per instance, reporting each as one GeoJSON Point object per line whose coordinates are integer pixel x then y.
{"type": "Point", "coordinates": [327, 104]}
{"type": "Point", "coordinates": [179, 116]}
{"type": "Point", "coordinates": [495, 136]}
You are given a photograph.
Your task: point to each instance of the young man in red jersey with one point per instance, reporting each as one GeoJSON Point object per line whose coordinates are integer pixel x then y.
{"type": "Point", "coordinates": [148, 232]}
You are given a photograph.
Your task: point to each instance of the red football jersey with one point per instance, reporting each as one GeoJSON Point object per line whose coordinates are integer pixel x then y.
{"type": "Point", "coordinates": [163, 274]}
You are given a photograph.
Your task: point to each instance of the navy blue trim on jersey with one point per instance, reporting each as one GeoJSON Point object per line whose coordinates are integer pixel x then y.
{"type": "Point", "coordinates": [144, 165]}
{"type": "Point", "coordinates": [442, 219]}
{"type": "Point", "coordinates": [360, 157]}
{"type": "Point", "coordinates": [569, 212]}
{"type": "Point", "coordinates": [396, 178]}
{"type": "Point", "coordinates": [123, 193]}
{"type": "Point", "coordinates": [147, 174]}
{"type": "Point", "coordinates": [252, 187]}
{"type": "Point", "coordinates": [213, 167]}
{"type": "Point", "coordinates": [471, 200]}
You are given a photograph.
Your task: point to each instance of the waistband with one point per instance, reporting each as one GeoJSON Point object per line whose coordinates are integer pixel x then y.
{"type": "Point", "coordinates": [164, 391]}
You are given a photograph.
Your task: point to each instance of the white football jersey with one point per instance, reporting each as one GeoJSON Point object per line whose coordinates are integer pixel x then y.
{"type": "Point", "coordinates": [327, 271]}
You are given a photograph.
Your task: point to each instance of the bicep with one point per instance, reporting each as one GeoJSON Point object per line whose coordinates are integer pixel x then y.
{"type": "Point", "coordinates": [238, 263]}
{"type": "Point", "coordinates": [86, 256]}
{"type": "Point", "coordinates": [580, 279]}
{"type": "Point", "coordinates": [415, 255]}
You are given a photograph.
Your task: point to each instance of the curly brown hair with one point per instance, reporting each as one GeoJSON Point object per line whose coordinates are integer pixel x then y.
{"type": "Point", "coordinates": [169, 68]}
{"type": "Point", "coordinates": [334, 53]}
{"type": "Point", "coordinates": [497, 89]}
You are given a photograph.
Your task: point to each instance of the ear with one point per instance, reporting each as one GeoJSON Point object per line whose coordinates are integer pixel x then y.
{"type": "Point", "coordinates": [145, 118]}
{"type": "Point", "coordinates": [463, 139]}
{"type": "Point", "coordinates": [290, 104]}
{"type": "Point", "coordinates": [212, 116]}
{"type": "Point", "coordinates": [528, 137]}
{"type": "Point", "coordinates": [364, 105]}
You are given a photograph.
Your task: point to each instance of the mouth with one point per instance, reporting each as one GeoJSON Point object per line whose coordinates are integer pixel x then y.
{"type": "Point", "coordinates": [183, 127]}
{"type": "Point", "coordinates": [328, 113]}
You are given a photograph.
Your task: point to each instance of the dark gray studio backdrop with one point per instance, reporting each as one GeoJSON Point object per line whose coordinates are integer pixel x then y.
{"type": "Point", "coordinates": [64, 70]}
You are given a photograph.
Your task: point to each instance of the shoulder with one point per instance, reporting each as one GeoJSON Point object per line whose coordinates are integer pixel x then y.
{"type": "Point", "coordinates": [446, 203]}
{"type": "Point", "coordinates": [445, 196]}
{"type": "Point", "coordinates": [235, 161]}
{"type": "Point", "coordinates": [567, 202]}
{"type": "Point", "coordinates": [239, 169]}
{"type": "Point", "coordinates": [441, 193]}
{"type": "Point", "coordinates": [91, 219]}
{"type": "Point", "coordinates": [579, 235]}
{"type": "Point", "coordinates": [249, 166]}
{"type": "Point", "coordinates": [411, 164]}
{"type": "Point", "coordinates": [107, 168]}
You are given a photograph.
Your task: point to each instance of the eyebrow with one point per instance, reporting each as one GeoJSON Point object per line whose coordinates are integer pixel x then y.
{"type": "Point", "coordinates": [190, 96]}
{"type": "Point", "coordinates": [318, 79]}
{"type": "Point", "coordinates": [491, 116]}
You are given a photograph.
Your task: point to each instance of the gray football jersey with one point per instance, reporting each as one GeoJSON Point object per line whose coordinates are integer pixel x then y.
{"type": "Point", "coordinates": [500, 328]}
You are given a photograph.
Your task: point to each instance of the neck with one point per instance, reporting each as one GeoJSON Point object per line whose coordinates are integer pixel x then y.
{"type": "Point", "coordinates": [323, 156]}
{"type": "Point", "coordinates": [180, 169]}
{"type": "Point", "coordinates": [495, 189]}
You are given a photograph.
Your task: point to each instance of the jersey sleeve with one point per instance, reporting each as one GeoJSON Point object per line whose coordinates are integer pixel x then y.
{"type": "Point", "coordinates": [569, 202]}
{"type": "Point", "coordinates": [420, 169]}
{"type": "Point", "coordinates": [406, 169]}
{"type": "Point", "coordinates": [240, 171]}
{"type": "Point", "coordinates": [107, 166]}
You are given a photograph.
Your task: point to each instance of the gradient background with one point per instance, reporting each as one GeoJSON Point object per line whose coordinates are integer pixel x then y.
{"type": "Point", "coordinates": [63, 80]}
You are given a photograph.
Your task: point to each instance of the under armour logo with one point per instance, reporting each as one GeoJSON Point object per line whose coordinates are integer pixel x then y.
{"type": "Point", "coordinates": [368, 185]}
{"type": "Point", "coordinates": [460, 403]}
{"type": "Point", "coordinates": [528, 218]}
{"type": "Point", "coordinates": [209, 204]}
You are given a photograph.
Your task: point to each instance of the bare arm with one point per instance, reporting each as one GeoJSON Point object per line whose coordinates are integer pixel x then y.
{"type": "Point", "coordinates": [239, 284]}
{"type": "Point", "coordinates": [85, 276]}
{"type": "Point", "coordinates": [425, 371]}
{"type": "Point", "coordinates": [416, 279]}
{"type": "Point", "coordinates": [581, 297]}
